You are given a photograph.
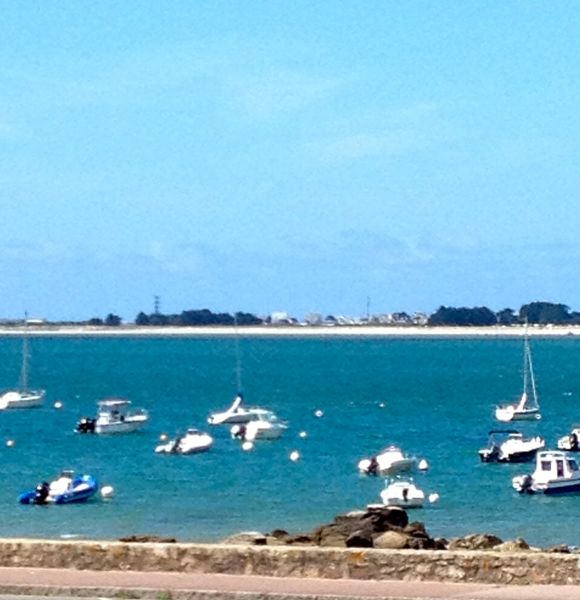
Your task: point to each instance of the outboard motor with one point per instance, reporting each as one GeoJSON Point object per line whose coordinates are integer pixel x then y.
{"type": "Point", "coordinates": [527, 485]}
{"type": "Point", "coordinates": [41, 493]}
{"type": "Point", "coordinates": [86, 425]}
{"type": "Point", "coordinates": [373, 468]}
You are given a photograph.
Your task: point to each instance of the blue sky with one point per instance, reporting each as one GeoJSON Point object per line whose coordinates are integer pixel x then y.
{"type": "Point", "coordinates": [298, 156]}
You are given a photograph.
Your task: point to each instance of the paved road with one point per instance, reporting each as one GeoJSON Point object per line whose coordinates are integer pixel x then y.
{"type": "Point", "coordinates": [182, 586]}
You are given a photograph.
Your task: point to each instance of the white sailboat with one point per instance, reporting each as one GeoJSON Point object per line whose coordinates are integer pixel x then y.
{"type": "Point", "coordinates": [237, 413]}
{"type": "Point", "coordinates": [528, 408]}
{"type": "Point", "coordinates": [23, 397]}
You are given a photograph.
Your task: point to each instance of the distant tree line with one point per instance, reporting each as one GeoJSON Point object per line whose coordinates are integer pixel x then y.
{"type": "Point", "coordinates": [197, 318]}
{"type": "Point", "coordinates": [541, 313]}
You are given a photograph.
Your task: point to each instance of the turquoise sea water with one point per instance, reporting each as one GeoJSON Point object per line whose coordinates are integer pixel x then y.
{"type": "Point", "coordinates": [438, 397]}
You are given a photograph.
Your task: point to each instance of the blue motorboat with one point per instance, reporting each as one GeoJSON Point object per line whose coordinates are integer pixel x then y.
{"type": "Point", "coordinates": [65, 489]}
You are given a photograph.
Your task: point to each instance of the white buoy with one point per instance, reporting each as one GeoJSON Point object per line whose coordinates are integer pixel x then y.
{"type": "Point", "coordinates": [10, 443]}
{"type": "Point", "coordinates": [107, 491]}
{"type": "Point", "coordinates": [382, 405]}
{"type": "Point", "coordinates": [423, 465]}
{"type": "Point", "coordinates": [318, 413]}
{"type": "Point", "coordinates": [294, 455]}
{"type": "Point", "coordinates": [434, 497]}
{"type": "Point", "coordinates": [163, 437]}
{"type": "Point", "coordinates": [303, 434]}
{"type": "Point", "coordinates": [58, 404]}
{"type": "Point", "coordinates": [247, 446]}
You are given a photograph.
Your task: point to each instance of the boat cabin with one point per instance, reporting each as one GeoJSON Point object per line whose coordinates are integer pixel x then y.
{"type": "Point", "coordinates": [114, 409]}
{"type": "Point", "coordinates": [553, 464]}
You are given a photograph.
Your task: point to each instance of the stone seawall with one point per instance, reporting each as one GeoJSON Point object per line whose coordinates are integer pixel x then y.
{"type": "Point", "coordinates": [333, 563]}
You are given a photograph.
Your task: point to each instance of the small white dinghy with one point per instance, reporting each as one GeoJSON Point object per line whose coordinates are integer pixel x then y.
{"type": "Point", "coordinates": [389, 461]}
{"type": "Point", "coordinates": [403, 493]}
{"type": "Point", "coordinates": [570, 442]}
{"type": "Point", "coordinates": [192, 442]}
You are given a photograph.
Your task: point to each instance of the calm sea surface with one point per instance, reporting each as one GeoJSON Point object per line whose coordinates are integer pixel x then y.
{"type": "Point", "coordinates": [433, 397]}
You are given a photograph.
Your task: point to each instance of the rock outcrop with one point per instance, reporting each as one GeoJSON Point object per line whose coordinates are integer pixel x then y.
{"type": "Point", "coordinates": [374, 527]}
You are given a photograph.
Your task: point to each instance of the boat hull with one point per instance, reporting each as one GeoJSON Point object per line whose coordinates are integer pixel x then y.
{"type": "Point", "coordinates": [82, 489]}
{"type": "Point", "coordinates": [508, 414]}
{"type": "Point", "coordinates": [194, 446]}
{"type": "Point", "coordinates": [128, 425]}
{"type": "Point", "coordinates": [488, 456]}
{"type": "Point", "coordinates": [15, 400]}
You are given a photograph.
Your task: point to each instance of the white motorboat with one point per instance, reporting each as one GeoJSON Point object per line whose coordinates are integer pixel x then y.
{"type": "Point", "coordinates": [389, 461]}
{"type": "Point", "coordinates": [264, 427]}
{"type": "Point", "coordinates": [556, 473]}
{"type": "Point", "coordinates": [509, 446]}
{"type": "Point", "coordinates": [570, 442]}
{"type": "Point", "coordinates": [404, 493]}
{"type": "Point", "coordinates": [237, 413]}
{"type": "Point", "coordinates": [192, 442]}
{"type": "Point", "coordinates": [528, 408]}
{"type": "Point", "coordinates": [114, 415]}
{"type": "Point", "coordinates": [23, 397]}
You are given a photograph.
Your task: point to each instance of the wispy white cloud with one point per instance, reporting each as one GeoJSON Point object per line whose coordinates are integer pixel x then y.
{"type": "Point", "coordinates": [386, 134]}
{"type": "Point", "coordinates": [279, 92]}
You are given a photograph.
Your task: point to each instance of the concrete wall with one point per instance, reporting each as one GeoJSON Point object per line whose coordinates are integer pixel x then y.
{"type": "Point", "coordinates": [280, 561]}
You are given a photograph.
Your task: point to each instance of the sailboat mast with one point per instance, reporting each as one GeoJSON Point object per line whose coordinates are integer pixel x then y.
{"type": "Point", "coordinates": [238, 359]}
{"type": "Point", "coordinates": [24, 368]}
{"type": "Point", "coordinates": [535, 403]}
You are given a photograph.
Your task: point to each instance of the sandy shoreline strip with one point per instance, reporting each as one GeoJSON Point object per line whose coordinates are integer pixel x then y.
{"type": "Point", "coordinates": [295, 331]}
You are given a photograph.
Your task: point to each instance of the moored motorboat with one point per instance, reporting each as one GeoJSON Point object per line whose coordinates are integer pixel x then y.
{"type": "Point", "coordinates": [389, 461]}
{"type": "Point", "coordinates": [114, 415]}
{"type": "Point", "coordinates": [509, 446]}
{"type": "Point", "coordinates": [556, 472]}
{"type": "Point", "coordinates": [192, 442]}
{"type": "Point", "coordinates": [265, 426]}
{"type": "Point", "coordinates": [66, 489]}
{"type": "Point", "coordinates": [570, 442]}
{"type": "Point", "coordinates": [402, 492]}
{"type": "Point", "coordinates": [237, 413]}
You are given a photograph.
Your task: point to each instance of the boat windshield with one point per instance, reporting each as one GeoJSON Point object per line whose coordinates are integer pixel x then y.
{"type": "Point", "coordinates": [572, 464]}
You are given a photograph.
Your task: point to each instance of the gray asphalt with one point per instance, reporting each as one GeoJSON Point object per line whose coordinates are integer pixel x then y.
{"type": "Point", "coordinates": [69, 583]}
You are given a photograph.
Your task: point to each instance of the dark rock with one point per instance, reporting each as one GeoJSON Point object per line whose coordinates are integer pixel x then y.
{"type": "Point", "coordinates": [559, 548]}
{"type": "Point", "coordinates": [298, 539]}
{"type": "Point", "coordinates": [361, 538]}
{"type": "Point", "coordinates": [420, 543]}
{"type": "Point", "coordinates": [416, 529]}
{"type": "Point", "coordinates": [441, 544]}
{"type": "Point", "coordinates": [153, 539]}
{"type": "Point", "coordinates": [279, 533]}
{"type": "Point", "coordinates": [385, 518]}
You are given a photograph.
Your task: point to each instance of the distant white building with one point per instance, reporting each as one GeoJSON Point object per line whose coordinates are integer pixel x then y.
{"type": "Point", "coordinates": [280, 318]}
{"type": "Point", "coordinates": [420, 318]}
{"type": "Point", "coordinates": [313, 319]}
{"type": "Point", "coordinates": [35, 321]}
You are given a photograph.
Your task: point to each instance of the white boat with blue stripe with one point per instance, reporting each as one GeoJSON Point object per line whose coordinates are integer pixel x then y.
{"type": "Point", "coordinates": [556, 472]}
